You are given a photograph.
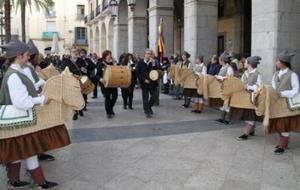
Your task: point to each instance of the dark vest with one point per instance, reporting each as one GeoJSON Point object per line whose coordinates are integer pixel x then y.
{"type": "Point", "coordinates": [284, 82]}
{"type": "Point", "coordinates": [223, 71]}
{"type": "Point", "coordinates": [251, 79]}
{"type": "Point", "coordinates": [4, 92]}
{"type": "Point", "coordinates": [35, 76]}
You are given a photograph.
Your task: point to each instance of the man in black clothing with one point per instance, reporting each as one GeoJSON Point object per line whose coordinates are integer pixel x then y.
{"type": "Point", "coordinates": [94, 68]}
{"type": "Point", "coordinates": [148, 87]}
{"type": "Point", "coordinates": [76, 66]}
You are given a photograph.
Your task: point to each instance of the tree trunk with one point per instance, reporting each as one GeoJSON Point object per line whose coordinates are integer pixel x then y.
{"type": "Point", "coordinates": [7, 20]}
{"type": "Point", "coordinates": [23, 22]}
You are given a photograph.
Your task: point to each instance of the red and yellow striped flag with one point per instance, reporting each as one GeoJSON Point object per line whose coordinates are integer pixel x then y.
{"type": "Point", "coordinates": [161, 50]}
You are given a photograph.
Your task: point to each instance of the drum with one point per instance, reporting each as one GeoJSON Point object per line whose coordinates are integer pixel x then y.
{"type": "Point", "coordinates": [117, 76]}
{"type": "Point", "coordinates": [87, 85]}
{"type": "Point", "coordinates": [155, 75]}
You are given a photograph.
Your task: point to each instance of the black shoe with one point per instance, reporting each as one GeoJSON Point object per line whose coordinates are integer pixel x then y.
{"type": "Point", "coordinates": [149, 116]}
{"type": "Point", "coordinates": [196, 111]}
{"type": "Point", "coordinates": [84, 109]}
{"type": "Point", "coordinates": [109, 116]}
{"type": "Point", "coordinates": [279, 151]}
{"type": "Point", "coordinates": [81, 113]}
{"type": "Point", "coordinates": [151, 112]}
{"type": "Point", "coordinates": [94, 97]}
{"type": "Point", "coordinates": [130, 107]}
{"type": "Point", "coordinates": [46, 157]}
{"type": "Point", "coordinates": [226, 122]}
{"type": "Point", "coordinates": [48, 185]}
{"type": "Point", "coordinates": [75, 117]}
{"type": "Point", "coordinates": [243, 137]}
{"type": "Point", "coordinates": [220, 120]}
{"type": "Point", "coordinates": [252, 133]}
{"type": "Point", "coordinates": [18, 185]}
{"type": "Point", "coordinates": [125, 107]}
{"type": "Point", "coordinates": [113, 113]}
{"type": "Point", "coordinates": [185, 106]}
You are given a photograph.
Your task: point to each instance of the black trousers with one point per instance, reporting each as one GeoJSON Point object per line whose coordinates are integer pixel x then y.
{"type": "Point", "coordinates": [95, 82]}
{"type": "Point", "coordinates": [148, 95]}
{"type": "Point", "coordinates": [111, 96]}
{"type": "Point", "coordinates": [127, 95]}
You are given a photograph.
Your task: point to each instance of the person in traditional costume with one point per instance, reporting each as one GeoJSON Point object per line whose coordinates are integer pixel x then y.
{"type": "Point", "coordinates": [29, 71]}
{"type": "Point", "coordinates": [187, 93]}
{"type": "Point", "coordinates": [199, 69]}
{"type": "Point", "coordinates": [286, 82]}
{"type": "Point", "coordinates": [252, 79]}
{"type": "Point", "coordinates": [19, 91]}
{"type": "Point", "coordinates": [225, 72]}
{"type": "Point", "coordinates": [110, 94]}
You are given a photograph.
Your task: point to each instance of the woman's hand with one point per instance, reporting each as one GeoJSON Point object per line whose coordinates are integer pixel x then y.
{"type": "Point", "coordinates": [47, 100]}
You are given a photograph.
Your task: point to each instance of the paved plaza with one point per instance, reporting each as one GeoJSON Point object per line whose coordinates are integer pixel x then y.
{"type": "Point", "coordinates": [176, 150]}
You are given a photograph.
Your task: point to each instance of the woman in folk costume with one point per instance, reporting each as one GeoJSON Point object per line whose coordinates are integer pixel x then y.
{"type": "Point", "coordinates": [29, 71]}
{"type": "Point", "coordinates": [19, 91]}
{"type": "Point", "coordinates": [225, 72]}
{"type": "Point", "coordinates": [187, 93]}
{"type": "Point", "coordinates": [252, 79]}
{"type": "Point", "coordinates": [29, 67]}
{"type": "Point", "coordinates": [286, 82]}
{"type": "Point", "coordinates": [199, 69]}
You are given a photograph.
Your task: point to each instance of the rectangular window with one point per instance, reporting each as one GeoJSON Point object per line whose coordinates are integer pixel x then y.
{"type": "Point", "coordinates": [80, 35]}
{"type": "Point", "coordinates": [221, 44]}
{"type": "Point", "coordinates": [221, 8]}
{"type": "Point", "coordinates": [51, 26]}
{"type": "Point", "coordinates": [80, 11]}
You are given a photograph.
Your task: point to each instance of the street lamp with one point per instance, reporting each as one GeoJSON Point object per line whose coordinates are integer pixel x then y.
{"type": "Point", "coordinates": [113, 4]}
{"type": "Point", "coordinates": [131, 4]}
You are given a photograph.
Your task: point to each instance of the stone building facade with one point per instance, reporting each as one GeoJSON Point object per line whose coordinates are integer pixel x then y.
{"type": "Point", "coordinates": [201, 27]}
{"type": "Point", "coordinates": [65, 19]}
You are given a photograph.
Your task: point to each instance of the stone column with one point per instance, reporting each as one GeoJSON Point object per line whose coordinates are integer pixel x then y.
{"type": "Point", "coordinates": [120, 41]}
{"type": "Point", "coordinates": [161, 9]}
{"type": "Point", "coordinates": [201, 27]}
{"type": "Point", "coordinates": [275, 26]}
{"type": "Point", "coordinates": [137, 31]}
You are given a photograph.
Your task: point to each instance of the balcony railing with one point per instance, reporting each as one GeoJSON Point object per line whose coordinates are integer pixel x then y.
{"type": "Point", "coordinates": [92, 16]}
{"type": "Point", "coordinates": [81, 42]}
{"type": "Point", "coordinates": [86, 19]}
{"type": "Point", "coordinates": [98, 10]}
{"type": "Point", "coordinates": [48, 35]}
{"type": "Point", "coordinates": [105, 5]}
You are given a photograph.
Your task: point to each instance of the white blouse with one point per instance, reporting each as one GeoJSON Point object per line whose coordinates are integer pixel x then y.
{"type": "Point", "coordinates": [18, 92]}
{"type": "Point", "coordinates": [258, 81]}
{"type": "Point", "coordinates": [295, 84]}
{"type": "Point", "coordinates": [28, 73]}
{"type": "Point", "coordinates": [230, 72]}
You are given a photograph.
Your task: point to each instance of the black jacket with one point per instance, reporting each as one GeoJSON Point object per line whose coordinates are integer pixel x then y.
{"type": "Point", "coordinates": [74, 68]}
{"type": "Point", "coordinates": [143, 71]}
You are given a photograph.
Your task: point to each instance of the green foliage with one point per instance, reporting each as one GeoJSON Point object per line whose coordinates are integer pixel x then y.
{"type": "Point", "coordinates": [39, 4]}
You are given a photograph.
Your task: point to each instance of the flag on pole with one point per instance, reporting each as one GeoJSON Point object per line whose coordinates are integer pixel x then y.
{"type": "Point", "coordinates": [161, 50]}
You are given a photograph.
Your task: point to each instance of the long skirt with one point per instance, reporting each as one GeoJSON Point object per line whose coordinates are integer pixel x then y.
{"type": "Point", "coordinates": [284, 124]}
{"type": "Point", "coordinates": [23, 147]}
{"type": "Point", "coordinates": [215, 102]}
{"type": "Point", "coordinates": [241, 114]}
